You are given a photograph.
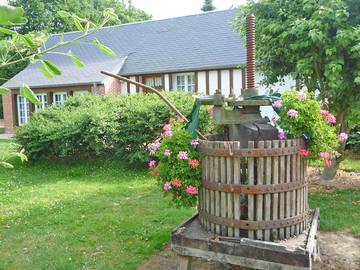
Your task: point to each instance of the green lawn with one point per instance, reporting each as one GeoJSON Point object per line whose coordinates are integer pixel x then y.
{"type": "Point", "coordinates": [103, 215]}
{"type": "Point", "coordinates": [83, 215]}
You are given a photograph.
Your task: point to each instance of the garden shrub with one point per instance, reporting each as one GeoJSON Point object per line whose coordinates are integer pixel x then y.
{"type": "Point", "coordinates": [118, 126]}
{"type": "Point", "coordinates": [353, 142]}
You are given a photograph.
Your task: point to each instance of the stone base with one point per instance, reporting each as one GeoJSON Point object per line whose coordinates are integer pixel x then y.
{"type": "Point", "coordinates": [191, 241]}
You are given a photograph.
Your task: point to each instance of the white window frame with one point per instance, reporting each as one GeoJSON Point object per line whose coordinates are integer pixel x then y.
{"type": "Point", "coordinates": [43, 98]}
{"type": "Point", "coordinates": [187, 85]}
{"type": "Point", "coordinates": [23, 110]}
{"type": "Point", "coordinates": [62, 100]}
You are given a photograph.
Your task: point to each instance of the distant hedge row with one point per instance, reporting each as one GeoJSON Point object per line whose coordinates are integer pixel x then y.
{"type": "Point", "coordinates": [119, 126]}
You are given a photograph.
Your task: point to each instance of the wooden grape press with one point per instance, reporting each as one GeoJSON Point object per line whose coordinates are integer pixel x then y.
{"type": "Point", "coordinates": [253, 208]}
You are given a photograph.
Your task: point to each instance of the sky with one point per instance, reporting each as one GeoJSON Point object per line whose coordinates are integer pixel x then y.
{"type": "Point", "coordinates": [161, 9]}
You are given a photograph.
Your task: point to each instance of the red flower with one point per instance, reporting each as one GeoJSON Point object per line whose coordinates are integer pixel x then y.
{"type": "Point", "coordinates": [303, 152]}
{"type": "Point", "coordinates": [176, 183]}
{"type": "Point", "coordinates": [193, 163]}
{"type": "Point", "coordinates": [192, 190]}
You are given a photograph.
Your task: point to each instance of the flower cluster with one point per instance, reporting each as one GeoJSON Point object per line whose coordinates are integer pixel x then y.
{"type": "Point", "coordinates": [178, 167]}
{"type": "Point", "coordinates": [301, 115]}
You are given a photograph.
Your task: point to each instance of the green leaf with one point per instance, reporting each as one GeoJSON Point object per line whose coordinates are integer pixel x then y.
{"type": "Point", "coordinates": [54, 68]}
{"type": "Point", "coordinates": [6, 165]}
{"type": "Point", "coordinates": [77, 23]}
{"type": "Point", "coordinates": [4, 90]}
{"type": "Point", "coordinates": [7, 31]}
{"type": "Point", "coordinates": [27, 93]}
{"type": "Point", "coordinates": [45, 70]}
{"type": "Point", "coordinates": [22, 156]}
{"type": "Point", "coordinates": [28, 40]}
{"type": "Point", "coordinates": [11, 15]}
{"type": "Point", "coordinates": [63, 14]}
{"type": "Point", "coordinates": [76, 60]}
{"type": "Point", "coordinates": [103, 48]}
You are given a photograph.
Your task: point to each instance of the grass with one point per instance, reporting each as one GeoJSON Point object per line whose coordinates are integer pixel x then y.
{"type": "Point", "coordinates": [348, 164]}
{"type": "Point", "coordinates": [339, 210]}
{"type": "Point", "coordinates": [83, 215]}
{"type": "Point", "coordinates": [100, 214]}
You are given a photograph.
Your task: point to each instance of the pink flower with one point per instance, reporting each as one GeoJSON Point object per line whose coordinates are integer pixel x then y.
{"type": "Point", "coordinates": [343, 137]}
{"type": "Point", "coordinates": [277, 104]}
{"type": "Point", "coordinates": [176, 183]}
{"type": "Point", "coordinates": [303, 152]}
{"type": "Point", "coordinates": [167, 186]}
{"type": "Point", "coordinates": [324, 112]}
{"type": "Point", "coordinates": [194, 142]}
{"type": "Point", "coordinates": [154, 147]}
{"type": "Point", "coordinates": [193, 163]}
{"type": "Point", "coordinates": [330, 118]}
{"type": "Point", "coordinates": [191, 190]}
{"type": "Point", "coordinates": [167, 133]}
{"type": "Point", "coordinates": [152, 164]}
{"type": "Point", "coordinates": [292, 113]}
{"type": "Point", "coordinates": [167, 127]}
{"type": "Point", "coordinates": [281, 135]}
{"type": "Point", "coordinates": [300, 95]}
{"type": "Point", "coordinates": [182, 155]}
{"type": "Point", "coordinates": [167, 153]}
{"type": "Point", "coordinates": [324, 155]}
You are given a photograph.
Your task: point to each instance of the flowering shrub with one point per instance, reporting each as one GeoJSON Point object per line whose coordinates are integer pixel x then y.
{"type": "Point", "coordinates": [177, 167]}
{"type": "Point", "coordinates": [302, 115]}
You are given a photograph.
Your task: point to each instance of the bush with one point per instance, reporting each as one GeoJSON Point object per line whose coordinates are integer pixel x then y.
{"type": "Point", "coordinates": [353, 142]}
{"type": "Point", "coordinates": [116, 126]}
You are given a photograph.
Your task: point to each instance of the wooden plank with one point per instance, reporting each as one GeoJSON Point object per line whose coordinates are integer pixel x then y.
{"type": "Point", "coordinates": [251, 177]}
{"type": "Point", "coordinates": [170, 81]}
{"type": "Point", "coordinates": [243, 79]}
{"type": "Point", "coordinates": [275, 196]}
{"type": "Point", "coordinates": [196, 78]}
{"type": "Point", "coordinates": [231, 82]}
{"type": "Point", "coordinates": [217, 193]}
{"type": "Point", "coordinates": [237, 202]}
{"type": "Point", "coordinates": [229, 180]}
{"type": "Point", "coordinates": [260, 197]}
{"type": "Point", "coordinates": [207, 192]}
{"type": "Point", "coordinates": [267, 197]}
{"type": "Point", "coordinates": [183, 262]}
{"type": "Point", "coordinates": [288, 194]}
{"type": "Point", "coordinates": [219, 79]}
{"type": "Point", "coordinates": [282, 194]}
{"type": "Point", "coordinates": [207, 83]}
{"type": "Point", "coordinates": [298, 178]}
{"type": "Point", "coordinates": [294, 193]}
{"type": "Point", "coordinates": [212, 193]}
{"type": "Point", "coordinates": [223, 197]}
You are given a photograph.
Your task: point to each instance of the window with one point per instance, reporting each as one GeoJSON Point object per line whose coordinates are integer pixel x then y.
{"type": "Point", "coordinates": [44, 102]}
{"type": "Point", "coordinates": [185, 82]}
{"type": "Point", "coordinates": [60, 98]}
{"type": "Point", "coordinates": [23, 107]}
{"type": "Point", "coordinates": [155, 82]}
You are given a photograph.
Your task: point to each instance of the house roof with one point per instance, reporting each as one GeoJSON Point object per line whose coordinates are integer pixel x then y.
{"type": "Point", "coordinates": [195, 42]}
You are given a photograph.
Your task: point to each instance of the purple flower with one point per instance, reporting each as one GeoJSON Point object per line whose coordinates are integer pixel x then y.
{"type": "Point", "coordinates": [167, 152]}
{"type": "Point", "coordinates": [154, 147]}
{"type": "Point", "coordinates": [281, 135]}
{"type": "Point", "coordinates": [182, 155]}
{"type": "Point", "coordinates": [152, 164]}
{"type": "Point", "coordinates": [343, 137]}
{"type": "Point", "coordinates": [194, 142]}
{"type": "Point", "coordinates": [292, 113]}
{"type": "Point", "coordinates": [277, 104]}
{"type": "Point", "coordinates": [167, 186]}
{"type": "Point", "coordinates": [300, 95]}
{"type": "Point", "coordinates": [167, 133]}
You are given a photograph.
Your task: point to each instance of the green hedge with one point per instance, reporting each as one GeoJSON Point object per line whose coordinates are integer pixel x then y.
{"type": "Point", "coordinates": [353, 142]}
{"type": "Point", "coordinates": [117, 126]}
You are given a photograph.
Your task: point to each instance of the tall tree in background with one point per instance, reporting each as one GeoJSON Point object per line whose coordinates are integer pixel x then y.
{"type": "Point", "coordinates": [315, 41]}
{"type": "Point", "coordinates": [208, 6]}
{"type": "Point", "coordinates": [42, 14]}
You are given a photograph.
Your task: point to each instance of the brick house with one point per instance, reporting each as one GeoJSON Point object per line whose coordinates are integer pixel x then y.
{"type": "Point", "coordinates": [196, 53]}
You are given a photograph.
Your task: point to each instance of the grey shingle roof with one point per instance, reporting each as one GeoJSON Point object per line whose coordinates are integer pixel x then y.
{"type": "Point", "coordinates": [194, 42]}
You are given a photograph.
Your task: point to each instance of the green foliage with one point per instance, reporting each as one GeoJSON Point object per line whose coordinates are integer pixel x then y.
{"type": "Point", "coordinates": [315, 41]}
{"type": "Point", "coordinates": [353, 142]}
{"type": "Point", "coordinates": [208, 6]}
{"type": "Point", "coordinates": [309, 122]}
{"type": "Point", "coordinates": [175, 175]}
{"type": "Point", "coordinates": [11, 15]}
{"type": "Point", "coordinates": [120, 126]}
{"type": "Point", "coordinates": [43, 18]}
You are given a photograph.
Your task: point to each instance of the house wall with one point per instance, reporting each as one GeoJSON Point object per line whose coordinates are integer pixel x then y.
{"type": "Point", "coordinates": [10, 102]}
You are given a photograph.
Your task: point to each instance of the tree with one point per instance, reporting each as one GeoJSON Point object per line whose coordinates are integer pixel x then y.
{"type": "Point", "coordinates": [315, 41]}
{"type": "Point", "coordinates": [43, 15]}
{"type": "Point", "coordinates": [208, 6]}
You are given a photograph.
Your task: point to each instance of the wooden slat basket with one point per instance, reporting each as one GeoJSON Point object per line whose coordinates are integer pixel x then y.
{"type": "Point", "coordinates": [259, 192]}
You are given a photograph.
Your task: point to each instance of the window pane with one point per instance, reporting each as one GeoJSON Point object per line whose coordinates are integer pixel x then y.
{"type": "Point", "coordinates": [180, 82]}
{"type": "Point", "coordinates": [191, 83]}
